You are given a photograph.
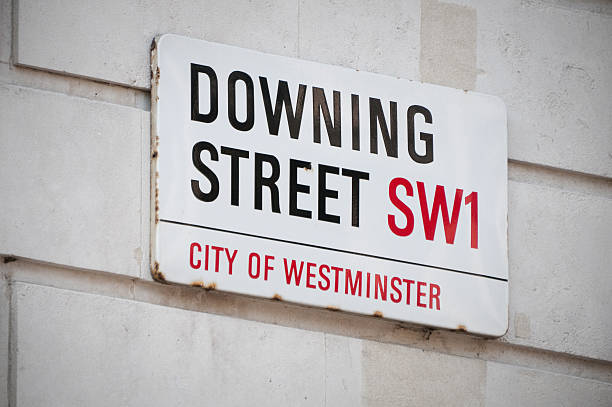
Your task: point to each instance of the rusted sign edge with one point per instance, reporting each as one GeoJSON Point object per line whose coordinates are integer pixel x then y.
{"type": "Point", "coordinates": [156, 273]}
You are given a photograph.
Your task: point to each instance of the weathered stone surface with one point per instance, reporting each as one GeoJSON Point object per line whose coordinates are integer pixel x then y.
{"type": "Point", "coordinates": [5, 297]}
{"type": "Point", "coordinates": [448, 44]}
{"type": "Point", "coordinates": [560, 280]}
{"type": "Point", "coordinates": [76, 349]}
{"type": "Point", "coordinates": [5, 30]}
{"type": "Point", "coordinates": [72, 179]}
{"type": "Point", "coordinates": [509, 386]}
{"type": "Point", "coordinates": [369, 36]}
{"type": "Point", "coordinates": [110, 40]}
{"type": "Point", "coordinates": [343, 376]}
{"type": "Point", "coordinates": [399, 376]}
{"type": "Point", "coordinates": [550, 63]}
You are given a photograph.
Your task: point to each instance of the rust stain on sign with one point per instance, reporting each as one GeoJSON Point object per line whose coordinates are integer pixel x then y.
{"type": "Point", "coordinates": [462, 328]}
{"type": "Point", "coordinates": [156, 198]}
{"type": "Point", "coordinates": [157, 275]}
{"type": "Point", "coordinates": [277, 297]}
{"type": "Point", "coordinates": [333, 308]}
{"type": "Point", "coordinates": [378, 314]}
{"type": "Point", "coordinates": [210, 286]}
{"type": "Point", "coordinates": [202, 284]}
{"type": "Point", "coordinates": [157, 75]}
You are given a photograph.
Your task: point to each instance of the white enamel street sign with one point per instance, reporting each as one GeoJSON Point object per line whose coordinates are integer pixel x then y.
{"type": "Point", "coordinates": [327, 186]}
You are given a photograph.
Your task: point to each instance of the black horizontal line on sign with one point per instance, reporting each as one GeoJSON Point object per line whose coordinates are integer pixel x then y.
{"type": "Point", "coordinates": [332, 249]}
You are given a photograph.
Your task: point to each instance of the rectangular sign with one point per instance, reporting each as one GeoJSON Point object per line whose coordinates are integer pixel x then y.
{"type": "Point", "coordinates": [329, 187]}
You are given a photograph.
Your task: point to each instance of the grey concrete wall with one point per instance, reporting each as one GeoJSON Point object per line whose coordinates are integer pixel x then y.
{"type": "Point", "coordinates": [81, 321]}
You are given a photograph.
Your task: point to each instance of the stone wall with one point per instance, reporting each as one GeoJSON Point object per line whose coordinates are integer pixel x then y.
{"type": "Point", "coordinates": [82, 322]}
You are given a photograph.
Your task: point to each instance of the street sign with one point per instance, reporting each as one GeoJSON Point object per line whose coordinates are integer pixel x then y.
{"type": "Point", "coordinates": [326, 186]}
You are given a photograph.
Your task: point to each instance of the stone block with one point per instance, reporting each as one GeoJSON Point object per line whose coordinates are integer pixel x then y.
{"type": "Point", "coordinates": [110, 40]}
{"type": "Point", "coordinates": [448, 44]}
{"type": "Point", "coordinates": [369, 36]}
{"type": "Point", "coordinates": [509, 386]}
{"type": "Point", "coordinates": [76, 349]}
{"type": "Point", "coordinates": [559, 278]}
{"type": "Point", "coordinates": [5, 30]}
{"type": "Point", "coordinates": [399, 376]}
{"type": "Point", "coordinates": [72, 180]}
{"type": "Point", "coordinates": [342, 371]}
{"type": "Point", "coordinates": [5, 296]}
{"type": "Point", "coordinates": [550, 64]}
